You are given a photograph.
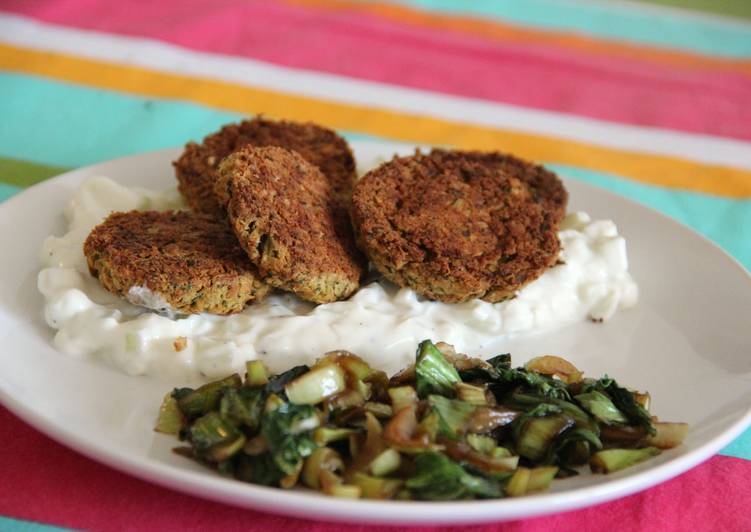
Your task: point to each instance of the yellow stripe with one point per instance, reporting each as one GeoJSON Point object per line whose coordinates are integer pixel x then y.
{"type": "Point", "coordinates": [653, 169]}
{"type": "Point", "coordinates": [497, 30]}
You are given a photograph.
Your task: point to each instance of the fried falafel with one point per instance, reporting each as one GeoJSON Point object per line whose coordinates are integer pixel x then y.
{"type": "Point", "coordinates": [196, 169]}
{"type": "Point", "coordinates": [458, 225]}
{"type": "Point", "coordinates": [174, 261]}
{"type": "Point", "coordinates": [293, 228]}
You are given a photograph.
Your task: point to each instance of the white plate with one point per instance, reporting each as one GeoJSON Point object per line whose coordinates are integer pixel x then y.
{"type": "Point", "coordinates": [687, 342]}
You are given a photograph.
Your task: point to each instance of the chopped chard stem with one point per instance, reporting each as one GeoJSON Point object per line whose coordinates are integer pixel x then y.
{"type": "Point", "coordinates": [448, 428]}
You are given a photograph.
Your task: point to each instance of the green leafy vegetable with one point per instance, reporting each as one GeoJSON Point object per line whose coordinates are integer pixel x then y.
{"type": "Point", "coordinates": [261, 469]}
{"type": "Point", "coordinates": [523, 401]}
{"type": "Point", "coordinates": [601, 407]}
{"type": "Point", "coordinates": [453, 415]}
{"type": "Point", "coordinates": [214, 438]}
{"type": "Point", "coordinates": [243, 406]}
{"type": "Point", "coordinates": [500, 362]}
{"type": "Point", "coordinates": [433, 373]}
{"type": "Point", "coordinates": [450, 427]}
{"type": "Point", "coordinates": [438, 478]}
{"type": "Point", "coordinates": [194, 403]}
{"type": "Point", "coordinates": [534, 382]}
{"type": "Point", "coordinates": [287, 430]}
{"type": "Point", "coordinates": [503, 379]}
{"type": "Point", "coordinates": [625, 402]}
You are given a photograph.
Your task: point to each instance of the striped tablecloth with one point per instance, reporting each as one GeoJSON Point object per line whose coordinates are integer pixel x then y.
{"type": "Point", "coordinates": [651, 101]}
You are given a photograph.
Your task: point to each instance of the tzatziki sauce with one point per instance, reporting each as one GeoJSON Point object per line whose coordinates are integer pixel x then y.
{"type": "Point", "coordinates": [381, 322]}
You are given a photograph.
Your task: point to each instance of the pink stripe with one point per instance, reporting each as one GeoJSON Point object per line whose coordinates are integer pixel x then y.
{"type": "Point", "coordinates": [374, 49]}
{"type": "Point", "coordinates": [43, 481]}
{"type": "Point", "coordinates": [365, 47]}
{"type": "Point", "coordinates": [371, 48]}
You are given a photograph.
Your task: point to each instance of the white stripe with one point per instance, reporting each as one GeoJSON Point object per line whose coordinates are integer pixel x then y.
{"type": "Point", "coordinates": [152, 54]}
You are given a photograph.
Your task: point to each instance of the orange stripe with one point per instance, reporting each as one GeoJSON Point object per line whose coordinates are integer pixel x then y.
{"type": "Point", "coordinates": [653, 169]}
{"type": "Point", "coordinates": [498, 31]}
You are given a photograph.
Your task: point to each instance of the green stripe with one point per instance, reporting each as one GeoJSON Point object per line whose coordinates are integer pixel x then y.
{"type": "Point", "coordinates": [24, 174]}
{"type": "Point", "coordinates": [615, 21]}
{"type": "Point", "coordinates": [8, 524]}
{"type": "Point", "coordinates": [727, 8]}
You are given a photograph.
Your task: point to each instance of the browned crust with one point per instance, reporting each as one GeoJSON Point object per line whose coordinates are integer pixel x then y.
{"type": "Point", "coordinates": [456, 225]}
{"type": "Point", "coordinates": [284, 214]}
{"type": "Point", "coordinates": [196, 169]}
{"type": "Point", "coordinates": [193, 261]}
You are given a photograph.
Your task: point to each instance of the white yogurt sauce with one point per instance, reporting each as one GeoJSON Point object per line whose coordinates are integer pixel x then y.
{"type": "Point", "coordinates": [381, 322]}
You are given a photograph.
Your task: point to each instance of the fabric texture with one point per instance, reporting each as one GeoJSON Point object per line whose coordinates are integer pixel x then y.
{"type": "Point", "coordinates": [648, 99]}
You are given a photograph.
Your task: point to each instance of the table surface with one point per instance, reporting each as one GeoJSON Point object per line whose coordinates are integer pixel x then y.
{"type": "Point", "coordinates": [649, 99]}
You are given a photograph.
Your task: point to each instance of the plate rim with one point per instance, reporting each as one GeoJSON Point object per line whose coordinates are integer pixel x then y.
{"type": "Point", "coordinates": [316, 506]}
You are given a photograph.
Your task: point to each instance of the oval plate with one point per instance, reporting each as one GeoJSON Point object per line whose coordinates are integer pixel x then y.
{"type": "Point", "coordinates": [687, 342]}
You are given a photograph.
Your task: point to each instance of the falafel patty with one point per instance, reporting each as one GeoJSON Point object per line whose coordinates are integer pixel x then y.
{"type": "Point", "coordinates": [290, 224]}
{"type": "Point", "coordinates": [458, 225]}
{"type": "Point", "coordinates": [173, 261]}
{"type": "Point", "coordinates": [196, 169]}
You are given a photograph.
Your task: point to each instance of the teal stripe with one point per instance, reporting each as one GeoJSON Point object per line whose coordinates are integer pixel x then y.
{"type": "Point", "coordinates": [614, 21]}
{"type": "Point", "coordinates": [70, 128]}
{"type": "Point", "coordinates": [723, 220]}
{"type": "Point", "coordinates": [16, 525]}
{"type": "Point", "coordinates": [740, 448]}
{"type": "Point", "coordinates": [76, 126]}
{"type": "Point", "coordinates": [7, 191]}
